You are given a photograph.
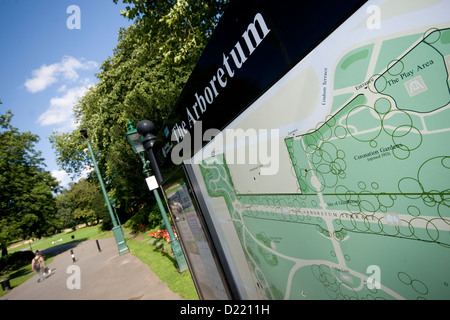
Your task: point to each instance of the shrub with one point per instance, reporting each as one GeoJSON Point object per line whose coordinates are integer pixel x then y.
{"type": "Point", "coordinates": [15, 260]}
{"type": "Point", "coordinates": [154, 217]}
{"type": "Point", "coordinates": [144, 219]}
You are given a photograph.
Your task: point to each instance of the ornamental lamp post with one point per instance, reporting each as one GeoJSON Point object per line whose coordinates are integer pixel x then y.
{"type": "Point", "coordinates": [141, 140]}
{"type": "Point", "coordinates": [117, 228]}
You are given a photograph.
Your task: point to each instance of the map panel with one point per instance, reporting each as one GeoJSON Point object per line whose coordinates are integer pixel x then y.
{"type": "Point", "coordinates": [367, 215]}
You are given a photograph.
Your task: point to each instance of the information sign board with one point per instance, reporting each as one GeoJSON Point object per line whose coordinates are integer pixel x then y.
{"type": "Point", "coordinates": [332, 183]}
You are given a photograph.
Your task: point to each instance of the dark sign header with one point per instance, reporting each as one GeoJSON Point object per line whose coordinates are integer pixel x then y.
{"type": "Point", "coordinates": [255, 43]}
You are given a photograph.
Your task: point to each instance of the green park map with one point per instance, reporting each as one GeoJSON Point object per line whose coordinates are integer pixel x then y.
{"type": "Point", "coordinates": [370, 218]}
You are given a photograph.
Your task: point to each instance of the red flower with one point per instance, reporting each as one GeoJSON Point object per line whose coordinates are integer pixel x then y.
{"type": "Point", "coordinates": [162, 234]}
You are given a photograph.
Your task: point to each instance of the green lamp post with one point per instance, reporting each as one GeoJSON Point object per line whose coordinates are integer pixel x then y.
{"type": "Point", "coordinates": [141, 140]}
{"type": "Point", "coordinates": [117, 228]}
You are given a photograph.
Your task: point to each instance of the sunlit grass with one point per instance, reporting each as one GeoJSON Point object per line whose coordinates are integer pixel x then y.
{"type": "Point", "coordinates": [86, 233]}
{"type": "Point", "coordinates": [164, 266]}
{"type": "Point", "coordinates": [160, 262]}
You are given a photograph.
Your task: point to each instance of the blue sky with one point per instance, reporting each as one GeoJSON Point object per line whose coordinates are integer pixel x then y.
{"type": "Point", "coordinates": [45, 66]}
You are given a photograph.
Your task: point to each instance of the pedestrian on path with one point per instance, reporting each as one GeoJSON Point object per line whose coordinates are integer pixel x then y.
{"type": "Point", "coordinates": [38, 265]}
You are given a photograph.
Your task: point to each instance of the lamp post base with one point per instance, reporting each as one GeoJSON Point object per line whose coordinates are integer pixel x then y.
{"type": "Point", "coordinates": [179, 256]}
{"type": "Point", "coordinates": [120, 240]}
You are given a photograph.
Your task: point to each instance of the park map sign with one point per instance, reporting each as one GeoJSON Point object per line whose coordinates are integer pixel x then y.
{"type": "Point", "coordinates": [359, 207]}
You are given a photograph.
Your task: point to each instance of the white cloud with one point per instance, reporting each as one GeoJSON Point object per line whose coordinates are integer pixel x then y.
{"type": "Point", "coordinates": [60, 111]}
{"type": "Point", "coordinates": [62, 88]}
{"type": "Point", "coordinates": [62, 177]}
{"type": "Point", "coordinates": [71, 88]}
{"type": "Point", "coordinates": [65, 70]}
{"type": "Point", "coordinates": [42, 78]}
{"type": "Point", "coordinates": [85, 172]}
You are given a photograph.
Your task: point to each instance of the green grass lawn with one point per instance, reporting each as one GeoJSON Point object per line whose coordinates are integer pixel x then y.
{"type": "Point", "coordinates": [159, 262]}
{"type": "Point", "coordinates": [164, 266]}
{"type": "Point", "coordinates": [86, 233]}
{"type": "Point", "coordinates": [17, 277]}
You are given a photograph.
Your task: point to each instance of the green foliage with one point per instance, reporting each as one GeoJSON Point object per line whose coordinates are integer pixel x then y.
{"type": "Point", "coordinates": [177, 29]}
{"type": "Point", "coordinates": [82, 203]}
{"type": "Point", "coordinates": [151, 63]}
{"type": "Point", "coordinates": [147, 217]}
{"type": "Point", "coordinates": [101, 211]}
{"type": "Point", "coordinates": [15, 261]}
{"type": "Point", "coordinates": [27, 205]}
{"type": "Point", "coordinates": [65, 211]}
{"type": "Point", "coordinates": [154, 217]}
{"type": "Point", "coordinates": [80, 197]}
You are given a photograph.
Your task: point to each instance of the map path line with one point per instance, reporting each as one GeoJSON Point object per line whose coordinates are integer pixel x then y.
{"type": "Point", "coordinates": [331, 214]}
{"type": "Point", "coordinates": [300, 263]}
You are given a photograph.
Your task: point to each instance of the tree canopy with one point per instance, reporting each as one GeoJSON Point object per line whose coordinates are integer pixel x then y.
{"type": "Point", "coordinates": [150, 65]}
{"type": "Point", "coordinates": [27, 206]}
{"type": "Point", "coordinates": [81, 203]}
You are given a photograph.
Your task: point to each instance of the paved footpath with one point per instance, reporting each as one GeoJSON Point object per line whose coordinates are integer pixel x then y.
{"type": "Point", "coordinates": [103, 276]}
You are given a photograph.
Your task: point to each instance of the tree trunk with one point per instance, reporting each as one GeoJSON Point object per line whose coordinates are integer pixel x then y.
{"type": "Point", "coordinates": [4, 249]}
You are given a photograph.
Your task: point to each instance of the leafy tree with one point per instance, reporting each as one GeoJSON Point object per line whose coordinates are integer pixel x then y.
{"type": "Point", "coordinates": [65, 211]}
{"type": "Point", "coordinates": [27, 205]}
{"type": "Point", "coordinates": [101, 211]}
{"type": "Point", "coordinates": [80, 197]}
{"type": "Point", "coordinates": [82, 203]}
{"type": "Point", "coordinates": [151, 63]}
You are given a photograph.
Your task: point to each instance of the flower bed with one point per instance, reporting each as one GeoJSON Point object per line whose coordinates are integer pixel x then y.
{"type": "Point", "coordinates": [162, 234]}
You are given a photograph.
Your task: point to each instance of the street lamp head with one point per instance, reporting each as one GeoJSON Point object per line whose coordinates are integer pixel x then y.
{"type": "Point", "coordinates": [84, 133]}
{"type": "Point", "coordinates": [145, 129]}
{"type": "Point", "coordinates": [145, 126]}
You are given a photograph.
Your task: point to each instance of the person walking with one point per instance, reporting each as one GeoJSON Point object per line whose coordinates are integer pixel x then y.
{"type": "Point", "coordinates": [38, 265]}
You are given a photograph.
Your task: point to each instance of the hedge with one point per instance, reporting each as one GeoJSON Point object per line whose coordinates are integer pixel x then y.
{"type": "Point", "coordinates": [16, 260]}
